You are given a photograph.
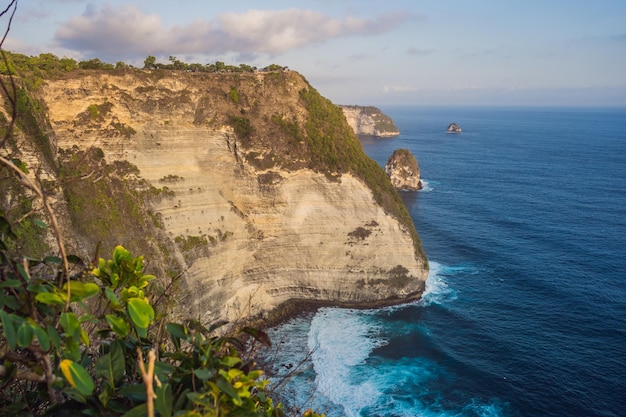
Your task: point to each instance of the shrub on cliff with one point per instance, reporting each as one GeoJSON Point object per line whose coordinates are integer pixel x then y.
{"type": "Point", "coordinates": [334, 147]}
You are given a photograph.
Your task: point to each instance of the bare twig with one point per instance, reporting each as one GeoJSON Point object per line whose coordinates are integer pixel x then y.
{"type": "Point", "coordinates": [148, 379]}
{"type": "Point", "coordinates": [27, 182]}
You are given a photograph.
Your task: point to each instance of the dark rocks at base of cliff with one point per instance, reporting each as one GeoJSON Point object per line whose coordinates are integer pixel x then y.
{"type": "Point", "coordinates": [403, 170]}
{"type": "Point", "coordinates": [454, 128]}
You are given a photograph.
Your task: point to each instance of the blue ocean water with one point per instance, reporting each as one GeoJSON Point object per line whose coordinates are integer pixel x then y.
{"type": "Point", "coordinates": [523, 218]}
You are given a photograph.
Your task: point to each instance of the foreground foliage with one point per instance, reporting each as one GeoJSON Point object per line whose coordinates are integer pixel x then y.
{"type": "Point", "coordinates": [77, 346]}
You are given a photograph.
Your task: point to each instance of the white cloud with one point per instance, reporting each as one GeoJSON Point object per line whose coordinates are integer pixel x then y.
{"type": "Point", "coordinates": [109, 31]}
{"type": "Point", "coordinates": [399, 89]}
{"type": "Point", "coordinates": [128, 32]}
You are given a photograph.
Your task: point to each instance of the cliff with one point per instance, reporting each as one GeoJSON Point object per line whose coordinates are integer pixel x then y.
{"type": "Point", "coordinates": [369, 120]}
{"type": "Point", "coordinates": [403, 170]}
{"type": "Point", "coordinates": [244, 191]}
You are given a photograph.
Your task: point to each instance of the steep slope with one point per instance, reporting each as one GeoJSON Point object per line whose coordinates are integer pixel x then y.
{"type": "Point", "coordinates": [242, 183]}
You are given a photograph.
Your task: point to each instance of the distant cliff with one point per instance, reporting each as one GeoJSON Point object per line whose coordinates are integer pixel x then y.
{"type": "Point", "coordinates": [251, 187]}
{"type": "Point", "coordinates": [369, 120]}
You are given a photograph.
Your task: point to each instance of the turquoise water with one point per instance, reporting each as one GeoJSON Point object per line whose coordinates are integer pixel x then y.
{"type": "Point", "coordinates": [523, 218]}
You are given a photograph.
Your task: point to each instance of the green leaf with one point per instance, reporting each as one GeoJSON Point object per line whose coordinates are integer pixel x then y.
{"type": "Point", "coordinates": [77, 376]}
{"type": "Point", "coordinates": [75, 260]}
{"type": "Point", "coordinates": [111, 367]}
{"type": "Point", "coordinates": [141, 312]}
{"type": "Point", "coordinates": [9, 329]}
{"type": "Point", "coordinates": [259, 335]}
{"type": "Point", "coordinates": [54, 337]}
{"type": "Point", "coordinates": [228, 389]}
{"type": "Point", "coordinates": [23, 272]}
{"type": "Point", "coordinates": [24, 335]}
{"type": "Point", "coordinates": [202, 373]}
{"type": "Point", "coordinates": [10, 283]}
{"type": "Point", "coordinates": [20, 164]}
{"type": "Point", "coordinates": [70, 323]}
{"type": "Point", "coordinates": [40, 223]}
{"type": "Point", "coordinates": [42, 336]}
{"type": "Point", "coordinates": [52, 260]}
{"type": "Point", "coordinates": [84, 337]}
{"type": "Point", "coordinates": [105, 395]}
{"type": "Point", "coordinates": [50, 298]}
{"type": "Point", "coordinates": [230, 361]}
{"type": "Point", "coordinates": [139, 411]}
{"type": "Point", "coordinates": [163, 402]}
{"type": "Point", "coordinates": [177, 332]}
{"type": "Point", "coordinates": [136, 392]}
{"type": "Point", "coordinates": [118, 325]}
{"type": "Point", "coordinates": [164, 370]}
{"type": "Point", "coordinates": [112, 297]}
{"type": "Point", "coordinates": [81, 290]}
{"type": "Point", "coordinates": [9, 301]}
{"type": "Point", "coordinates": [120, 254]}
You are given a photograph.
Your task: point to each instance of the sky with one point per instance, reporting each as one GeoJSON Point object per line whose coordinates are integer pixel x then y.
{"type": "Point", "coordinates": [366, 52]}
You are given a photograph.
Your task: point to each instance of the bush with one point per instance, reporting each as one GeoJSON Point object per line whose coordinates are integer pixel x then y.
{"type": "Point", "coordinates": [76, 345]}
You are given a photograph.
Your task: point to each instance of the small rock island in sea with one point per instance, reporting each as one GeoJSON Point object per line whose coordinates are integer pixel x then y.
{"type": "Point", "coordinates": [454, 128]}
{"type": "Point", "coordinates": [370, 121]}
{"type": "Point", "coordinates": [403, 170]}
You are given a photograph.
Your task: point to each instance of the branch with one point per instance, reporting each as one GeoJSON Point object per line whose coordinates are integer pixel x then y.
{"type": "Point", "coordinates": [148, 379]}
{"type": "Point", "coordinates": [27, 182]}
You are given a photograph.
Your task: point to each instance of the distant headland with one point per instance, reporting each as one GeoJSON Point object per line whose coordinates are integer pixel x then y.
{"type": "Point", "coordinates": [369, 120]}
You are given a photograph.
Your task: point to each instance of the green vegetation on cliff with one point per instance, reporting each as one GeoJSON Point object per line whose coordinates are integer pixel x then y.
{"type": "Point", "coordinates": [334, 147]}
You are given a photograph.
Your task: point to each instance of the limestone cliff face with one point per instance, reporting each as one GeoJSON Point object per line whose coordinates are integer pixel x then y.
{"type": "Point", "coordinates": [369, 120]}
{"type": "Point", "coordinates": [237, 207]}
{"type": "Point", "coordinates": [403, 170]}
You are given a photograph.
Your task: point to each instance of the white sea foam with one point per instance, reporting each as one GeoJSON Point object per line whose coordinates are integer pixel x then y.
{"type": "Point", "coordinates": [437, 289]}
{"type": "Point", "coordinates": [341, 340]}
{"type": "Point", "coordinates": [345, 374]}
{"type": "Point", "coordinates": [426, 185]}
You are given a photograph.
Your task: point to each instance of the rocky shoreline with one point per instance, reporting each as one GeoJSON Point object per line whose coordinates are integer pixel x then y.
{"type": "Point", "coordinates": [295, 308]}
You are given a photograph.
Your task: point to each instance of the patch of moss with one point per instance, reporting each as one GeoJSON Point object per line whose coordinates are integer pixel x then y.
{"type": "Point", "coordinates": [106, 202]}
{"type": "Point", "coordinates": [360, 233]}
{"type": "Point", "coordinates": [31, 120]}
{"type": "Point", "coordinates": [399, 277]}
{"type": "Point", "coordinates": [243, 129]}
{"type": "Point", "coordinates": [188, 243]}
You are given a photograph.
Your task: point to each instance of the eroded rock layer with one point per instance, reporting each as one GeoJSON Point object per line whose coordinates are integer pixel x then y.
{"type": "Point", "coordinates": [237, 207]}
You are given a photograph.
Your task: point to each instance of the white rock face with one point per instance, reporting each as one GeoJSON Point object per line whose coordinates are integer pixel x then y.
{"type": "Point", "coordinates": [403, 170]}
{"type": "Point", "coordinates": [282, 235]}
{"type": "Point", "coordinates": [369, 121]}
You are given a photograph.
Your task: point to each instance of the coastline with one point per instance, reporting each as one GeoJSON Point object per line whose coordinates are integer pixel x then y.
{"type": "Point", "coordinates": [297, 307]}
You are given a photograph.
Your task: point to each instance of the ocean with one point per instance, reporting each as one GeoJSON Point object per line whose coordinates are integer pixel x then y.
{"type": "Point", "coordinates": [523, 219]}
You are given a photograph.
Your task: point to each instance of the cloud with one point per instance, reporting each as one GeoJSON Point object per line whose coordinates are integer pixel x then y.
{"type": "Point", "coordinates": [399, 89]}
{"type": "Point", "coordinates": [127, 31]}
{"type": "Point", "coordinates": [619, 38]}
{"type": "Point", "coordinates": [417, 51]}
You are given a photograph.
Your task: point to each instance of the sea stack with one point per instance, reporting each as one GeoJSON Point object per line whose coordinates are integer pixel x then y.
{"type": "Point", "coordinates": [454, 128]}
{"type": "Point", "coordinates": [403, 170]}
